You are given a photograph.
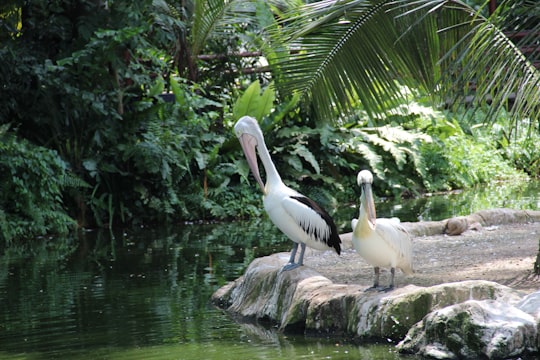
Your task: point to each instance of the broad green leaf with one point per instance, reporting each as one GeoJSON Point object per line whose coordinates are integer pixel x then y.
{"type": "Point", "coordinates": [253, 103]}
{"type": "Point", "coordinates": [248, 102]}
{"type": "Point", "coordinates": [295, 162]}
{"type": "Point", "coordinates": [267, 100]}
{"type": "Point", "coordinates": [178, 92]}
{"type": "Point", "coordinates": [157, 88]}
{"type": "Point", "coordinates": [307, 155]}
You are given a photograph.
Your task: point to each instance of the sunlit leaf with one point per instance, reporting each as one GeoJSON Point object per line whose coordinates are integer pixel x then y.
{"type": "Point", "coordinates": [349, 52]}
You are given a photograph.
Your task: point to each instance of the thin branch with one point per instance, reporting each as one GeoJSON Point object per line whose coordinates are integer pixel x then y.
{"type": "Point", "coordinates": [209, 57]}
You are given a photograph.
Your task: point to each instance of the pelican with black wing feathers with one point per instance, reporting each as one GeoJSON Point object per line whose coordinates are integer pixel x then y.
{"type": "Point", "coordinates": [300, 218]}
{"type": "Point", "coordinates": [381, 242]}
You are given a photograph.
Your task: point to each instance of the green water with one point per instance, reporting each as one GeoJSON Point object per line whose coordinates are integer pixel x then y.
{"type": "Point", "coordinates": [144, 294]}
{"type": "Point", "coordinates": [513, 195]}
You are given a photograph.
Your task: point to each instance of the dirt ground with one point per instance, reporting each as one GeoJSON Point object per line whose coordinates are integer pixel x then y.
{"type": "Point", "coordinates": [504, 254]}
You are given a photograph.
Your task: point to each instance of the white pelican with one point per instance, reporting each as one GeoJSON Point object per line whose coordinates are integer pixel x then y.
{"type": "Point", "coordinates": [298, 217]}
{"type": "Point", "coordinates": [381, 242]}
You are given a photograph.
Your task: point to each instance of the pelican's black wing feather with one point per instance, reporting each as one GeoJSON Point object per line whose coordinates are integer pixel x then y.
{"type": "Point", "coordinates": [332, 238]}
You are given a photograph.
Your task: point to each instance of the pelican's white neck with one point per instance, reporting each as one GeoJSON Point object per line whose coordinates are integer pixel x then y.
{"type": "Point", "coordinates": [362, 228]}
{"type": "Point", "coordinates": [272, 175]}
{"type": "Point", "coordinates": [363, 206]}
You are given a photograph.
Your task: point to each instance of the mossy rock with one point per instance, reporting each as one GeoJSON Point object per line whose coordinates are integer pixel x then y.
{"type": "Point", "coordinates": [302, 300]}
{"type": "Point", "coordinates": [473, 330]}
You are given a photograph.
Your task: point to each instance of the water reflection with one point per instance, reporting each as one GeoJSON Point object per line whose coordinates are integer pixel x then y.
{"type": "Point", "coordinates": [145, 294]}
{"type": "Point", "coordinates": [140, 295]}
{"type": "Point", "coordinates": [514, 195]}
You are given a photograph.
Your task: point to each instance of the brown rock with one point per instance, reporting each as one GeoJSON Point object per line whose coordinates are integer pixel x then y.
{"type": "Point", "coordinates": [456, 226]}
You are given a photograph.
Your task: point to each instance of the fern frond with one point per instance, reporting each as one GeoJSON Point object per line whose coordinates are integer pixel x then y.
{"type": "Point", "coordinates": [307, 155]}
{"type": "Point", "coordinates": [73, 181]}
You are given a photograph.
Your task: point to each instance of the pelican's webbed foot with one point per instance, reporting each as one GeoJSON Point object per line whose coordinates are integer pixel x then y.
{"type": "Point", "coordinates": [290, 266]}
{"type": "Point", "coordinates": [379, 288]}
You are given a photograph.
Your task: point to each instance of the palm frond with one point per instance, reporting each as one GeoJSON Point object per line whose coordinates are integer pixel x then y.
{"type": "Point", "coordinates": [335, 57]}
{"type": "Point", "coordinates": [201, 20]}
{"type": "Point", "coordinates": [215, 17]}
{"type": "Point", "coordinates": [487, 66]}
{"type": "Point", "coordinates": [350, 51]}
{"type": "Point", "coordinates": [205, 17]}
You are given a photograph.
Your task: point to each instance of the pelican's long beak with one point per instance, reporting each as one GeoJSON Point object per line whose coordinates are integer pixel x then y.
{"type": "Point", "coordinates": [249, 143]}
{"type": "Point", "coordinates": [370, 205]}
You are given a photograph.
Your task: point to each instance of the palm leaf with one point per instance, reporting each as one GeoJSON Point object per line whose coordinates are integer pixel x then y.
{"type": "Point", "coordinates": [200, 20]}
{"type": "Point", "coordinates": [336, 59]}
{"type": "Point", "coordinates": [350, 51]}
{"type": "Point", "coordinates": [487, 65]}
{"type": "Point", "coordinates": [215, 18]}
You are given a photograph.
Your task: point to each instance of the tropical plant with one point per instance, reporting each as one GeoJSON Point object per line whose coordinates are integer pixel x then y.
{"type": "Point", "coordinates": [88, 84]}
{"type": "Point", "coordinates": [345, 52]}
{"type": "Point", "coordinates": [253, 103]}
{"type": "Point", "coordinates": [462, 160]}
{"type": "Point", "coordinates": [412, 148]}
{"type": "Point", "coordinates": [132, 104]}
{"type": "Point", "coordinates": [25, 212]}
{"type": "Point", "coordinates": [216, 26]}
{"type": "Point", "coordinates": [518, 143]}
{"type": "Point", "coordinates": [392, 153]}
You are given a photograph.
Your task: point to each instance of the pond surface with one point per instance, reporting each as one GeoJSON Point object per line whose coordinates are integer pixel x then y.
{"type": "Point", "coordinates": [145, 294]}
{"type": "Point", "coordinates": [514, 195]}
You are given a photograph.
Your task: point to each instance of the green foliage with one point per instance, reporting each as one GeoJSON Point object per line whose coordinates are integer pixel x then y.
{"type": "Point", "coordinates": [412, 149]}
{"type": "Point", "coordinates": [519, 145]}
{"type": "Point", "coordinates": [202, 27]}
{"type": "Point", "coordinates": [94, 97]}
{"type": "Point", "coordinates": [468, 162]}
{"type": "Point", "coordinates": [31, 183]}
{"type": "Point", "coordinates": [392, 153]}
{"type": "Point", "coordinates": [77, 89]}
{"type": "Point", "coordinates": [161, 171]}
{"type": "Point", "coordinates": [415, 149]}
{"type": "Point", "coordinates": [131, 126]}
{"type": "Point", "coordinates": [345, 52]}
{"type": "Point", "coordinates": [254, 103]}
{"type": "Point", "coordinates": [466, 154]}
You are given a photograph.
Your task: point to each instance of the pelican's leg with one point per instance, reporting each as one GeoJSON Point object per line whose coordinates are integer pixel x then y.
{"type": "Point", "coordinates": [301, 257]}
{"type": "Point", "coordinates": [376, 282]}
{"type": "Point", "coordinates": [393, 274]}
{"type": "Point", "coordinates": [391, 286]}
{"type": "Point", "coordinates": [291, 265]}
{"type": "Point", "coordinates": [293, 253]}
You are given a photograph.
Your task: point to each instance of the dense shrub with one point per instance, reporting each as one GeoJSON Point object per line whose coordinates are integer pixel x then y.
{"type": "Point", "coordinates": [116, 122]}
{"type": "Point", "coordinates": [32, 180]}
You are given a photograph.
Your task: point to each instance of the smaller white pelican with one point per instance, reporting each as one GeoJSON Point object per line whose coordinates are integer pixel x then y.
{"type": "Point", "coordinates": [298, 217]}
{"type": "Point", "coordinates": [381, 242]}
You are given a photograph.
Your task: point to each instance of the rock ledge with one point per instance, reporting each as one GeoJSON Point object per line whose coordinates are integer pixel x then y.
{"type": "Point", "coordinates": [462, 319]}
